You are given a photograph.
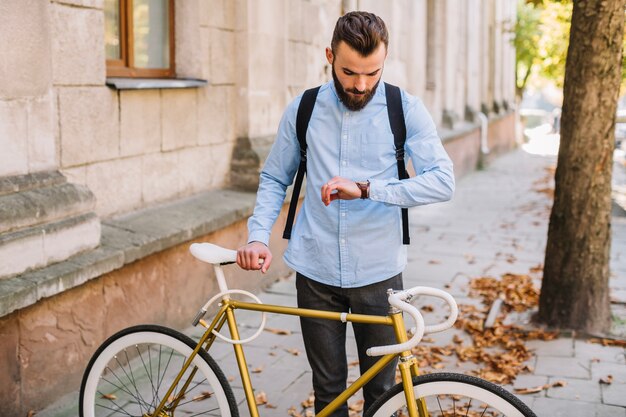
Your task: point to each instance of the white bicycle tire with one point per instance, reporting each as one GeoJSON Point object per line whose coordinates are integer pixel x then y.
{"type": "Point", "coordinates": [121, 341]}
{"type": "Point", "coordinates": [433, 385]}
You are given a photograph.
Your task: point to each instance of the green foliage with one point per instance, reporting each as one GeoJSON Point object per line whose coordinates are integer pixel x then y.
{"type": "Point", "coordinates": [541, 39]}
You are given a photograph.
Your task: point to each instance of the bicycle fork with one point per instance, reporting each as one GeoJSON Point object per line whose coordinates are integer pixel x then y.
{"type": "Point", "coordinates": [408, 368]}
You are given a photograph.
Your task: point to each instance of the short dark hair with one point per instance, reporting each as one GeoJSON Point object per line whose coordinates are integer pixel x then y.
{"type": "Point", "coordinates": [362, 31]}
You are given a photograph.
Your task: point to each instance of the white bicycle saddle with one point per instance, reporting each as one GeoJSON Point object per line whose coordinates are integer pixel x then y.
{"type": "Point", "coordinates": [212, 254]}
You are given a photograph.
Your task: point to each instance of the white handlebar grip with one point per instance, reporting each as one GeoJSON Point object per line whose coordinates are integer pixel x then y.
{"type": "Point", "coordinates": [434, 292]}
{"type": "Point", "coordinates": [398, 300]}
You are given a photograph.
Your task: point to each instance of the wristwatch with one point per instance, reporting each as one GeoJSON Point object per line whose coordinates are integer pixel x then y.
{"type": "Point", "coordinates": [364, 186]}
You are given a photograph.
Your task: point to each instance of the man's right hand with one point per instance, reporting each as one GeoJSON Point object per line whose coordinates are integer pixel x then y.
{"type": "Point", "coordinates": [248, 257]}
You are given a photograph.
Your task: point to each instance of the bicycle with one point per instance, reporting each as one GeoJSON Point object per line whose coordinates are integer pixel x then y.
{"type": "Point", "coordinates": [154, 371]}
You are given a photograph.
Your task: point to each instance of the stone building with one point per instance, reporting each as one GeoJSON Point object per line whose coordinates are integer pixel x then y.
{"type": "Point", "coordinates": [127, 134]}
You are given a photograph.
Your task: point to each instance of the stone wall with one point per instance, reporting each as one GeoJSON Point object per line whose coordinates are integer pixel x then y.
{"type": "Point", "coordinates": [56, 337]}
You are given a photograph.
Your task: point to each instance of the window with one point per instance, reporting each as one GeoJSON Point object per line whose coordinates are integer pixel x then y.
{"type": "Point", "coordinates": [139, 38]}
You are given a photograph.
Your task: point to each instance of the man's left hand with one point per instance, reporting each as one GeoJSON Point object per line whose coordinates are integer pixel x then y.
{"type": "Point", "coordinates": [339, 188]}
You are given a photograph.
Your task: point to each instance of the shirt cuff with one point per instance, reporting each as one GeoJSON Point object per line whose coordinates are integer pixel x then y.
{"type": "Point", "coordinates": [259, 236]}
{"type": "Point", "coordinates": [377, 190]}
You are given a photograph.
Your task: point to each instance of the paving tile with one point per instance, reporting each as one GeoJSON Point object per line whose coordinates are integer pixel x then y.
{"type": "Point", "coordinates": [614, 394]}
{"type": "Point", "coordinates": [587, 350]}
{"type": "Point", "coordinates": [603, 369]}
{"type": "Point", "coordinates": [553, 407]}
{"type": "Point", "coordinates": [576, 389]}
{"type": "Point", "coordinates": [562, 367]}
{"type": "Point", "coordinates": [561, 347]}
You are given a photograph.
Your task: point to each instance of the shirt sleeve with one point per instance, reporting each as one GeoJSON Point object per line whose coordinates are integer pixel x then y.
{"type": "Point", "coordinates": [277, 174]}
{"type": "Point", "coordinates": [434, 179]}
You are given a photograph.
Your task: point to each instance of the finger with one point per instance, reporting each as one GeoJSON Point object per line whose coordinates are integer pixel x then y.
{"type": "Point", "coordinates": [266, 262]}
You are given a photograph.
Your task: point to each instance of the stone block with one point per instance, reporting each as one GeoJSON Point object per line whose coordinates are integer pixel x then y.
{"type": "Point", "coordinates": [267, 110]}
{"type": "Point", "coordinates": [57, 338]}
{"type": "Point", "coordinates": [78, 56]}
{"type": "Point", "coordinates": [97, 140]}
{"type": "Point", "coordinates": [16, 293]}
{"type": "Point", "coordinates": [204, 53]}
{"type": "Point", "coordinates": [60, 244]}
{"type": "Point", "coordinates": [13, 137]}
{"type": "Point", "coordinates": [25, 30]}
{"type": "Point", "coordinates": [216, 115]}
{"type": "Point", "coordinates": [179, 118]}
{"type": "Point", "coordinates": [222, 49]}
{"type": "Point", "coordinates": [42, 150]}
{"type": "Point", "coordinates": [195, 171]}
{"type": "Point", "coordinates": [10, 377]}
{"type": "Point", "coordinates": [116, 185]}
{"type": "Point", "coordinates": [140, 122]}
{"type": "Point", "coordinates": [597, 352]}
{"type": "Point", "coordinates": [160, 173]}
{"type": "Point", "coordinates": [603, 369]}
{"type": "Point", "coordinates": [28, 208]}
{"type": "Point", "coordinates": [20, 253]}
{"type": "Point", "coordinates": [218, 14]}
{"type": "Point", "coordinates": [76, 175]}
{"type": "Point", "coordinates": [187, 39]}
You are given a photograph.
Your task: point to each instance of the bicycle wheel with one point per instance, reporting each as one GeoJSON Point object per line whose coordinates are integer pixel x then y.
{"type": "Point", "coordinates": [448, 394]}
{"type": "Point", "coordinates": [133, 369]}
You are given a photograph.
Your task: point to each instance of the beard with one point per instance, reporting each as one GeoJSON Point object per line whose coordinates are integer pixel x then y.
{"type": "Point", "coordinates": [353, 103]}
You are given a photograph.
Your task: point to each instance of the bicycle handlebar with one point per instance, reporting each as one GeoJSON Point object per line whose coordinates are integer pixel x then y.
{"type": "Point", "coordinates": [400, 300]}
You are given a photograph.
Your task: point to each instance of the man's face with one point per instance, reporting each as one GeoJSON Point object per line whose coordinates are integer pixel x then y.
{"type": "Point", "coordinates": [356, 77]}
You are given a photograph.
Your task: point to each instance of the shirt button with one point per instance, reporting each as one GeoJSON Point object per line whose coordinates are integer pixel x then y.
{"type": "Point", "coordinates": [343, 241]}
{"type": "Point", "coordinates": [345, 136]}
{"type": "Point", "coordinates": [343, 214]}
{"type": "Point", "coordinates": [343, 163]}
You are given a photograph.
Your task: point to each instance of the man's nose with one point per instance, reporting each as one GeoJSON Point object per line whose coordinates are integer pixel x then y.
{"type": "Point", "coordinates": [360, 84]}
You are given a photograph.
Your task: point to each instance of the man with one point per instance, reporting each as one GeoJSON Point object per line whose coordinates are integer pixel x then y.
{"type": "Point", "coordinates": [347, 250]}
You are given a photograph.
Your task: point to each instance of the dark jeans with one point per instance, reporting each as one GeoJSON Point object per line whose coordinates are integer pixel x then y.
{"type": "Point", "coordinates": [325, 340]}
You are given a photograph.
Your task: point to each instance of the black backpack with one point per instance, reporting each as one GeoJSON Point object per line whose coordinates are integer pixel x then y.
{"type": "Point", "coordinates": [398, 127]}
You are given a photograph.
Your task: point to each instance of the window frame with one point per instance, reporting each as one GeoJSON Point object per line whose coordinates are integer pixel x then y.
{"type": "Point", "coordinates": [124, 67]}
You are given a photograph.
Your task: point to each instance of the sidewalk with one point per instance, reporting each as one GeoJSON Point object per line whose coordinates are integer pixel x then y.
{"type": "Point", "coordinates": [496, 224]}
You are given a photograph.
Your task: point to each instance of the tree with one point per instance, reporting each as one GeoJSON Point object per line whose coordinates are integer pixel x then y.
{"type": "Point", "coordinates": [574, 292]}
{"type": "Point", "coordinates": [541, 31]}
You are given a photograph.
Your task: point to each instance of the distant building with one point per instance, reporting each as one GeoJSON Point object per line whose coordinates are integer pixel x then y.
{"type": "Point", "coordinates": [126, 134]}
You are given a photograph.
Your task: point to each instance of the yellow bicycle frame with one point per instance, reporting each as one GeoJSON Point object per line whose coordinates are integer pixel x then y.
{"type": "Point", "coordinates": [407, 364]}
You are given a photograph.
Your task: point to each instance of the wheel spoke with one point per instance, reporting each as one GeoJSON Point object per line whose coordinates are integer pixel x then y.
{"type": "Point", "coordinates": [136, 367]}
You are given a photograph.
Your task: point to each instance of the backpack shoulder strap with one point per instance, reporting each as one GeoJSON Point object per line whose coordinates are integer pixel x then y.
{"type": "Point", "coordinates": [398, 128]}
{"type": "Point", "coordinates": [305, 109]}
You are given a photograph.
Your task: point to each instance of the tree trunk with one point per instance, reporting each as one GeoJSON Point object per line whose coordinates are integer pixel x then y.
{"type": "Point", "coordinates": [575, 293]}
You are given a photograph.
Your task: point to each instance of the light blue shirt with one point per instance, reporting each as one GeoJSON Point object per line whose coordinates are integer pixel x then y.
{"type": "Point", "coordinates": [351, 243]}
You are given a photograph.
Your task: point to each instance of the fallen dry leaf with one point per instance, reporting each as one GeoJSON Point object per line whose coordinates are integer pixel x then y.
{"type": "Point", "coordinates": [293, 351]}
{"type": "Point", "coordinates": [109, 396]}
{"type": "Point", "coordinates": [434, 262]}
{"type": "Point", "coordinates": [293, 412]}
{"type": "Point", "coordinates": [31, 413]}
{"type": "Point", "coordinates": [534, 390]}
{"type": "Point", "coordinates": [282, 332]}
{"type": "Point", "coordinates": [309, 402]}
{"type": "Point", "coordinates": [257, 370]}
{"type": "Point", "coordinates": [261, 398]}
{"type": "Point", "coordinates": [607, 380]}
{"type": "Point", "coordinates": [428, 308]}
{"type": "Point", "coordinates": [609, 342]}
{"type": "Point", "coordinates": [356, 406]}
{"type": "Point", "coordinates": [203, 396]}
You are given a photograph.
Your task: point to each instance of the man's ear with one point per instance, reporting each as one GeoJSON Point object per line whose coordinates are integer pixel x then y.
{"type": "Point", "coordinates": [329, 55]}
